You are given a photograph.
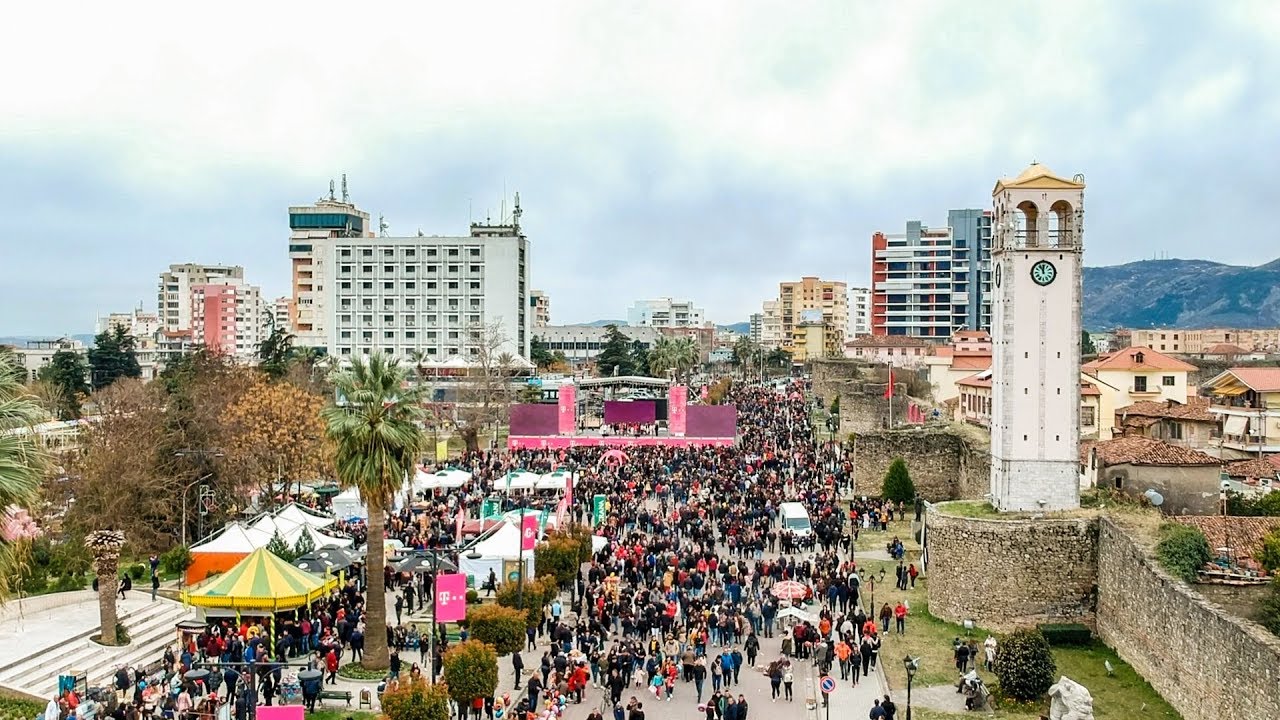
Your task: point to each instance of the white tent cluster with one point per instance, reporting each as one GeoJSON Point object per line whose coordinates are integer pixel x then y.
{"type": "Point", "coordinates": [525, 480]}
{"type": "Point", "coordinates": [291, 522]}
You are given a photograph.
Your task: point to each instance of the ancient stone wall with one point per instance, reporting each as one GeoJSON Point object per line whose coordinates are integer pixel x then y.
{"type": "Point", "coordinates": [1206, 663]}
{"type": "Point", "coordinates": [945, 464]}
{"type": "Point", "coordinates": [1006, 574]}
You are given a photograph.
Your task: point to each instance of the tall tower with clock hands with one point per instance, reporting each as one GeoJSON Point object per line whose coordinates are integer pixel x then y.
{"type": "Point", "coordinates": [1035, 329]}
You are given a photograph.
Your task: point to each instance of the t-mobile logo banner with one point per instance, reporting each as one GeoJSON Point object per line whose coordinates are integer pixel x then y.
{"type": "Point", "coordinates": [451, 597]}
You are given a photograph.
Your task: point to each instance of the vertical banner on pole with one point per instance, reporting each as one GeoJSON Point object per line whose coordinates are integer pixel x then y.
{"type": "Point", "coordinates": [451, 597]}
{"type": "Point", "coordinates": [442, 450]}
{"type": "Point", "coordinates": [597, 510]}
{"type": "Point", "coordinates": [528, 532]}
{"type": "Point", "coordinates": [677, 401]}
{"type": "Point", "coordinates": [568, 409]}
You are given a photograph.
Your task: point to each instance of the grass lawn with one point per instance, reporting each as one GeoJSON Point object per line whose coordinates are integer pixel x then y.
{"type": "Point", "coordinates": [343, 714]}
{"type": "Point", "coordinates": [1115, 698]}
{"type": "Point", "coordinates": [18, 707]}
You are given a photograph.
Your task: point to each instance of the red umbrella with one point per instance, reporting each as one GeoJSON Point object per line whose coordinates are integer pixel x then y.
{"type": "Point", "coordinates": [790, 590]}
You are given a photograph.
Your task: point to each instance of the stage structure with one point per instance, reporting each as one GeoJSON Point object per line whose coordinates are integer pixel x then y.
{"type": "Point", "coordinates": [671, 420]}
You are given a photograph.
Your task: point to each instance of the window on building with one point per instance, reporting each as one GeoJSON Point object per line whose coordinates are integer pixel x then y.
{"type": "Point", "coordinates": [1173, 430]}
{"type": "Point", "coordinates": [345, 286]}
{"type": "Point", "coordinates": [1140, 383]}
{"type": "Point", "coordinates": [344, 253]}
{"type": "Point", "coordinates": [345, 268]}
{"type": "Point", "coordinates": [388, 285]}
{"type": "Point", "coordinates": [453, 286]}
{"type": "Point", "coordinates": [388, 318]}
{"type": "Point", "coordinates": [410, 252]}
{"type": "Point", "coordinates": [1088, 416]}
{"type": "Point", "coordinates": [453, 252]}
{"type": "Point", "coordinates": [366, 253]}
{"type": "Point", "coordinates": [1168, 381]}
{"type": "Point", "coordinates": [410, 269]}
{"type": "Point", "coordinates": [388, 335]}
{"type": "Point", "coordinates": [475, 252]}
{"type": "Point", "coordinates": [366, 286]}
{"type": "Point", "coordinates": [411, 286]}
{"type": "Point", "coordinates": [388, 252]}
{"type": "Point", "coordinates": [475, 268]}
{"type": "Point", "coordinates": [432, 252]}
{"type": "Point", "coordinates": [431, 284]}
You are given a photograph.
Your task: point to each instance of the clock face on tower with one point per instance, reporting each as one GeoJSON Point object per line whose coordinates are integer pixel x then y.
{"type": "Point", "coordinates": [998, 273]}
{"type": "Point", "coordinates": [1043, 272]}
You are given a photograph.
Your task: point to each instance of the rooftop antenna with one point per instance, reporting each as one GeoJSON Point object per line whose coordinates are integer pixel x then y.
{"type": "Point", "coordinates": [420, 232]}
{"type": "Point", "coordinates": [515, 214]}
{"type": "Point", "coordinates": [382, 226]}
{"type": "Point", "coordinates": [331, 195]}
{"type": "Point", "coordinates": [345, 196]}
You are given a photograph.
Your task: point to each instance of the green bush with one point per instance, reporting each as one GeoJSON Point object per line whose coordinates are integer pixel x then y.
{"type": "Point", "coordinates": [15, 708]}
{"type": "Point", "coordinates": [415, 700]}
{"type": "Point", "coordinates": [67, 583]}
{"type": "Point", "coordinates": [1182, 550]}
{"type": "Point", "coordinates": [473, 597]}
{"type": "Point", "coordinates": [501, 627]}
{"type": "Point", "coordinates": [1024, 664]}
{"type": "Point", "coordinates": [176, 560]}
{"type": "Point", "coordinates": [136, 572]}
{"type": "Point", "coordinates": [1067, 634]}
{"type": "Point", "coordinates": [356, 671]}
{"type": "Point", "coordinates": [470, 671]}
{"type": "Point", "coordinates": [1270, 554]}
{"type": "Point", "coordinates": [1269, 611]}
{"type": "Point", "coordinates": [537, 592]}
{"type": "Point", "coordinates": [898, 486]}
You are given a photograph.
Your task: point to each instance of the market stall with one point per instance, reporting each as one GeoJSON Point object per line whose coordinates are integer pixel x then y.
{"type": "Point", "coordinates": [499, 551]}
{"type": "Point", "coordinates": [260, 582]}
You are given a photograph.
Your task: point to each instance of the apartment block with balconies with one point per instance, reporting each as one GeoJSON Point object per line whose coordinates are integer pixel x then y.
{"type": "Point", "coordinates": [1248, 400]}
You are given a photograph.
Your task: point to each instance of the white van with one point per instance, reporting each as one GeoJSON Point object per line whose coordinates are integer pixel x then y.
{"type": "Point", "coordinates": [795, 518]}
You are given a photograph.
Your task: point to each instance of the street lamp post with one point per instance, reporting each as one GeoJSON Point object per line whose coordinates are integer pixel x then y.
{"type": "Point", "coordinates": [911, 664]}
{"type": "Point", "coordinates": [185, 490]}
{"type": "Point", "coordinates": [431, 641]}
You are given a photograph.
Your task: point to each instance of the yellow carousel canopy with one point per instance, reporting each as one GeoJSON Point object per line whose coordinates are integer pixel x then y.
{"type": "Point", "coordinates": [261, 581]}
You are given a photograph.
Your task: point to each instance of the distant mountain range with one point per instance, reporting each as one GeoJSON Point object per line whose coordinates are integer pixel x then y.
{"type": "Point", "coordinates": [22, 340]}
{"type": "Point", "coordinates": [741, 328]}
{"type": "Point", "coordinates": [1181, 293]}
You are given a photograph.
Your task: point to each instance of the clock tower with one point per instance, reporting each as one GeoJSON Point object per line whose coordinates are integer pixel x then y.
{"type": "Point", "coordinates": [1035, 331]}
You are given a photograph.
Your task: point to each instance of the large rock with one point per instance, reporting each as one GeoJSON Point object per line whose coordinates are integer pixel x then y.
{"type": "Point", "coordinates": [1069, 700]}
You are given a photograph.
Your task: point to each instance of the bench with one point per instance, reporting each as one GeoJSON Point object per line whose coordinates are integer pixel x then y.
{"type": "Point", "coordinates": [336, 695]}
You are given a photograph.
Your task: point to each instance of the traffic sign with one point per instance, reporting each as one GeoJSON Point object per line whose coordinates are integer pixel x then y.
{"type": "Point", "coordinates": [828, 684]}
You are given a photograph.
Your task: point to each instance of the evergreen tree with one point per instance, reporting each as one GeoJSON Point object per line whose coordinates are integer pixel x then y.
{"type": "Point", "coordinates": [275, 352]}
{"type": "Point", "coordinates": [640, 358]}
{"type": "Point", "coordinates": [539, 353]}
{"type": "Point", "coordinates": [112, 356]}
{"type": "Point", "coordinates": [898, 486]}
{"type": "Point", "coordinates": [615, 356]}
{"type": "Point", "coordinates": [304, 545]}
{"type": "Point", "coordinates": [68, 372]}
{"type": "Point", "coordinates": [278, 547]}
{"type": "Point", "coordinates": [1086, 344]}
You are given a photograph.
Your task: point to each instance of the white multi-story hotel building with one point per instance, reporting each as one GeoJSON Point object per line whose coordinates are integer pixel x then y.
{"type": "Point", "coordinates": [173, 301]}
{"type": "Point", "coordinates": [356, 293]}
{"type": "Point", "coordinates": [770, 325]}
{"type": "Point", "coordinates": [664, 312]}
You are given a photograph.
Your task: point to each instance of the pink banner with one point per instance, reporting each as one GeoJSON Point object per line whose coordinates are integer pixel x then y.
{"type": "Point", "coordinates": [280, 712]}
{"type": "Point", "coordinates": [531, 442]}
{"type": "Point", "coordinates": [568, 409]}
{"type": "Point", "coordinates": [677, 401]}
{"type": "Point", "coordinates": [528, 532]}
{"type": "Point", "coordinates": [451, 597]}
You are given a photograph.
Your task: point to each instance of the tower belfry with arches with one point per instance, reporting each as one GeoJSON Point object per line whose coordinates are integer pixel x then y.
{"type": "Point", "coordinates": [1035, 371]}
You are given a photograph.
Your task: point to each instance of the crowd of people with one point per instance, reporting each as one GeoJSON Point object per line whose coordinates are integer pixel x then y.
{"type": "Point", "coordinates": [677, 602]}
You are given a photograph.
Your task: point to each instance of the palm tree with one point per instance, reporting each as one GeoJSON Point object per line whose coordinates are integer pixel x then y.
{"type": "Point", "coordinates": [677, 355]}
{"type": "Point", "coordinates": [105, 546]}
{"type": "Point", "coordinates": [22, 463]}
{"type": "Point", "coordinates": [377, 429]}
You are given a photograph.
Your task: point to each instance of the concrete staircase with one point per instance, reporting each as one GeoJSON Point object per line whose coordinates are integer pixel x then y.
{"type": "Point", "coordinates": [151, 629]}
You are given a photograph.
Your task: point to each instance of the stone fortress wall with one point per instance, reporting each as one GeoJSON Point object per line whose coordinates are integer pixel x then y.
{"type": "Point", "coordinates": [1006, 574]}
{"type": "Point", "coordinates": [1021, 572]}
{"type": "Point", "coordinates": [944, 464]}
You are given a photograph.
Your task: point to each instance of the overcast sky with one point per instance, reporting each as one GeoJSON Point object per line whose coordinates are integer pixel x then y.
{"type": "Point", "coordinates": [703, 150]}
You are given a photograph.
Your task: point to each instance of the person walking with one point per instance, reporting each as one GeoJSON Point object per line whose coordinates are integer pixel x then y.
{"type": "Point", "coordinates": [900, 617]}
{"type": "Point", "coordinates": [517, 665]}
{"type": "Point", "coordinates": [775, 680]}
{"type": "Point", "coordinates": [155, 586]}
{"type": "Point", "coordinates": [787, 679]}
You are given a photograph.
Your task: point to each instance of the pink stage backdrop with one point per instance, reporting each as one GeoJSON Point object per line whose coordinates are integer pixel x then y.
{"type": "Point", "coordinates": [712, 421]}
{"type": "Point", "coordinates": [568, 410]}
{"type": "Point", "coordinates": [451, 597]}
{"type": "Point", "coordinates": [630, 411]}
{"type": "Point", "coordinates": [533, 419]}
{"type": "Point", "coordinates": [534, 443]}
{"type": "Point", "coordinates": [677, 401]}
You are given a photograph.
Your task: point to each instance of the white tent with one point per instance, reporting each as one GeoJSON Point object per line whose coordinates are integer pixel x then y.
{"type": "Point", "coordinates": [554, 481]}
{"type": "Point", "coordinates": [598, 543]}
{"type": "Point", "coordinates": [298, 514]}
{"type": "Point", "coordinates": [452, 477]}
{"type": "Point", "coordinates": [271, 525]}
{"type": "Point", "coordinates": [501, 545]}
{"type": "Point", "coordinates": [318, 539]}
{"type": "Point", "coordinates": [516, 480]}
{"type": "Point", "coordinates": [235, 538]}
{"type": "Point", "coordinates": [346, 504]}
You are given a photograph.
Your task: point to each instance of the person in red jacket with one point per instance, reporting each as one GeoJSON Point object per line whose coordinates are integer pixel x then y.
{"type": "Point", "coordinates": [900, 616]}
{"type": "Point", "coordinates": [331, 664]}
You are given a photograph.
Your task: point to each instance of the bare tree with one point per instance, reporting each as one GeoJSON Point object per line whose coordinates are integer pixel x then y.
{"type": "Point", "coordinates": [484, 394]}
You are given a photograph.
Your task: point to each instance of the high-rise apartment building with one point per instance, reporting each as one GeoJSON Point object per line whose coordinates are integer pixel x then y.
{"type": "Point", "coordinates": [144, 327]}
{"type": "Point", "coordinates": [811, 293]}
{"type": "Point", "coordinates": [755, 327]}
{"type": "Point", "coordinates": [282, 314]}
{"type": "Point", "coordinates": [665, 312]}
{"type": "Point", "coordinates": [173, 301]}
{"type": "Point", "coordinates": [933, 282]}
{"type": "Point", "coordinates": [313, 231]}
{"type": "Point", "coordinates": [355, 293]}
{"type": "Point", "coordinates": [770, 325]}
{"type": "Point", "coordinates": [541, 308]}
{"type": "Point", "coordinates": [859, 312]}
{"type": "Point", "coordinates": [230, 318]}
